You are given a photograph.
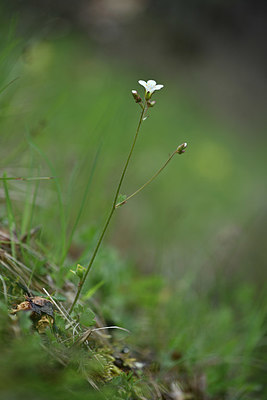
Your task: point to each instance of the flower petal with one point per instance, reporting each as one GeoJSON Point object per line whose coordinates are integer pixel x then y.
{"type": "Point", "coordinates": [150, 86]}
{"type": "Point", "coordinates": [158, 87]}
{"type": "Point", "coordinates": [151, 82]}
{"type": "Point", "coordinates": [143, 83]}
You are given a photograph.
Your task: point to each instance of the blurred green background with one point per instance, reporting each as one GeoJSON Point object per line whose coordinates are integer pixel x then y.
{"type": "Point", "coordinates": [73, 97]}
{"type": "Point", "coordinates": [70, 114]}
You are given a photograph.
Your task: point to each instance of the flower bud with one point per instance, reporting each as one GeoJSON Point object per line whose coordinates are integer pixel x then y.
{"type": "Point", "coordinates": [136, 96]}
{"type": "Point", "coordinates": [80, 270]}
{"type": "Point", "coordinates": [151, 103]}
{"type": "Point", "coordinates": [181, 149]}
{"type": "Point", "coordinates": [148, 95]}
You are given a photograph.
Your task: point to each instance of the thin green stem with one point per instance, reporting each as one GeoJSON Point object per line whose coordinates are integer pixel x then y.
{"type": "Point", "coordinates": [21, 178]}
{"type": "Point", "coordinates": [82, 206]}
{"type": "Point", "coordinates": [149, 181]}
{"type": "Point", "coordinates": [8, 84]}
{"type": "Point", "coordinates": [11, 218]}
{"type": "Point", "coordinates": [113, 208]}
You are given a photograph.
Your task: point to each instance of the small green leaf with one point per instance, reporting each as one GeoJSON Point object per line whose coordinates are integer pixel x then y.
{"type": "Point", "coordinates": [59, 297]}
{"type": "Point", "coordinates": [24, 321]}
{"type": "Point", "coordinates": [92, 291]}
{"type": "Point", "coordinates": [121, 200]}
{"type": "Point", "coordinates": [87, 317]}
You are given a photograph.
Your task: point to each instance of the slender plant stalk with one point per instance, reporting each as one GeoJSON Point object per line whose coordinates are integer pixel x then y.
{"type": "Point", "coordinates": [149, 181]}
{"type": "Point", "coordinates": [8, 84]}
{"type": "Point", "coordinates": [11, 218]}
{"type": "Point", "coordinates": [62, 215]}
{"type": "Point", "coordinates": [113, 208]}
{"type": "Point", "coordinates": [81, 207]}
{"type": "Point", "coordinates": [21, 178]}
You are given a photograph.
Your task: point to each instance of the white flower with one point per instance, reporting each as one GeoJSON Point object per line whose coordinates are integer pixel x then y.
{"type": "Point", "coordinates": [150, 86]}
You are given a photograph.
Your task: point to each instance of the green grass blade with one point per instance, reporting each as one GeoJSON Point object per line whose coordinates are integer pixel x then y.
{"type": "Point", "coordinates": [59, 196]}
{"type": "Point", "coordinates": [92, 291]}
{"type": "Point", "coordinates": [85, 194]}
{"type": "Point", "coordinates": [11, 218]}
{"type": "Point", "coordinates": [8, 84]}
